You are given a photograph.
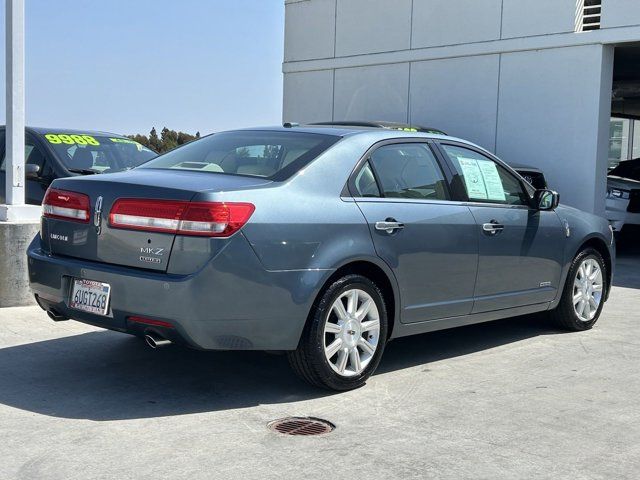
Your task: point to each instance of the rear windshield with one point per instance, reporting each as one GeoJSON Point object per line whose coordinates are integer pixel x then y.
{"type": "Point", "coordinates": [87, 153]}
{"type": "Point", "coordinates": [273, 155]}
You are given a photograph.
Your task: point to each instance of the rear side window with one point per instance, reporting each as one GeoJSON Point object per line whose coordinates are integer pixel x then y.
{"type": "Point", "coordinates": [409, 170]}
{"type": "Point", "coordinates": [365, 182]}
{"type": "Point", "coordinates": [485, 180]}
{"type": "Point", "coordinates": [274, 155]}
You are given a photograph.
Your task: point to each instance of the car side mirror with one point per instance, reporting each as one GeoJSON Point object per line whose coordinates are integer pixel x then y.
{"type": "Point", "coordinates": [32, 171]}
{"type": "Point", "coordinates": [546, 199]}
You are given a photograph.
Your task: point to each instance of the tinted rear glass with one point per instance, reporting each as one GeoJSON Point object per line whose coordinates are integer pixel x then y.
{"type": "Point", "coordinates": [273, 155]}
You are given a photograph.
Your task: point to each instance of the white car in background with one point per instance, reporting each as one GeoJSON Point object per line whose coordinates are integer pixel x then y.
{"type": "Point", "coordinates": [623, 194]}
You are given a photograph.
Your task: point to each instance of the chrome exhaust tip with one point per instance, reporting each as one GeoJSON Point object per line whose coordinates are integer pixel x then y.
{"type": "Point", "coordinates": [156, 341]}
{"type": "Point", "coordinates": [55, 316]}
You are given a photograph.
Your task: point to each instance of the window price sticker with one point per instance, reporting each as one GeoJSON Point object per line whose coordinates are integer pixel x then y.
{"type": "Point", "coordinates": [482, 179]}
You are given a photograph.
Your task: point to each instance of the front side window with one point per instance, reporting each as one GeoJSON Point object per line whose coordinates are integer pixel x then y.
{"type": "Point", "coordinates": [484, 180]}
{"type": "Point", "coordinates": [33, 155]}
{"type": "Point", "coordinates": [409, 170]}
{"type": "Point", "coordinates": [269, 154]}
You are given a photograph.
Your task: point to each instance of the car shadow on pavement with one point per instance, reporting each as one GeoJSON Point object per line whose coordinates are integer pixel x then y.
{"type": "Point", "coordinates": [104, 375]}
{"type": "Point", "coordinates": [432, 347]}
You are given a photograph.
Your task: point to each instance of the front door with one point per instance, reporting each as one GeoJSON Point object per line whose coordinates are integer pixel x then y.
{"type": "Point", "coordinates": [428, 240]}
{"type": "Point", "coordinates": [520, 247]}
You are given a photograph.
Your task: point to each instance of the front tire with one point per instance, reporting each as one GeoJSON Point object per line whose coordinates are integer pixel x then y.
{"type": "Point", "coordinates": [584, 292]}
{"type": "Point", "coordinates": [344, 337]}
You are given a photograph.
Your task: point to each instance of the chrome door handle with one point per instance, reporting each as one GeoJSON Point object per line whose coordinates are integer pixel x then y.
{"type": "Point", "coordinates": [492, 228]}
{"type": "Point", "coordinates": [389, 226]}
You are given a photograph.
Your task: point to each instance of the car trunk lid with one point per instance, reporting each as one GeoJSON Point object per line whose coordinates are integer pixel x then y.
{"type": "Point", "coordinates": [97, 240]}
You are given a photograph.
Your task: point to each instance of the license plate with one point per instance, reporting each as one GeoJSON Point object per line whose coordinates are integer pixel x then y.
{"type": "Point", "coordinates": [90, 296]}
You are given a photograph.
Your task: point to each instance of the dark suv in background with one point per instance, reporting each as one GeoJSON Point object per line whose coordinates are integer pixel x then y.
{"type": "Point", "coordinates": [52, 153]}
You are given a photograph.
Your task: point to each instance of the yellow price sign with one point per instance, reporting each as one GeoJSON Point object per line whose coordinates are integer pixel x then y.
{"type": "Point", "coordinates": [63, 138]}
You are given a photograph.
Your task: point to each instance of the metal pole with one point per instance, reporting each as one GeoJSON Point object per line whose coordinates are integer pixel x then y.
{"type": "Point", "coordinates": [15, 179]}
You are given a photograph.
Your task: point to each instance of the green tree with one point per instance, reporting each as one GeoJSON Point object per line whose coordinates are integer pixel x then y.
{"type": "Point", "coordinates": [154, 141]}
{"type": "Point", "coordinates": [168, 139]}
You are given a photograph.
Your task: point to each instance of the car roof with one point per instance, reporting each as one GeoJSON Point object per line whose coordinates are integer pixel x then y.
{"type": "Point", "coordinates": [350, 130]}
{"type": "Point", "coordinates": [380, 134]}
{"type": "Point", "coordinates": [382, 124]}
{"type": "Point", "coordinates": [69, 131]}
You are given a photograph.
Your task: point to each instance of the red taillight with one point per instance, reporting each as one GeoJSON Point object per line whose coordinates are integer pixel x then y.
{"type": "Point", "coordinates": [209, 219]}
{"type": "Point", "coordinates": [66, 205]}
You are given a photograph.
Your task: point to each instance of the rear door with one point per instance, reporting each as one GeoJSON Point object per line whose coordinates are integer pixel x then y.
{"type": "Point", "coordinates": [520, 247]}
{"type": "Point", "coordinates": [428, 240]}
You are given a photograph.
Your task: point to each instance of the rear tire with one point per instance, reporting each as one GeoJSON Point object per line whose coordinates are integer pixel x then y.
{"type": "Point", "coordinates": [584, 292]}
{"type": "Point", "coordinates": [344, 337]}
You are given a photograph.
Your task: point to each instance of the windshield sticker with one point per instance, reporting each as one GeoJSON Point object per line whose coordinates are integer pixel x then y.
{"type": "Point", "coordinates": [58, 138]}
{"type": "Point", "coordinates": [139, 146]}
{"type": "Point", "coordinates": [482, 179]}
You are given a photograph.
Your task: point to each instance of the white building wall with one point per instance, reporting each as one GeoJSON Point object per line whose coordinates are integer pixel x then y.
{"type": "Point", "coordinates": [309, 29]}
{"type": "Point", "coordinates": [525, 18]}
{"type": "Point", "coordinates": [309, 96]}
{"type": "Point", "coordinates": [620, 13]}
{"type": "Point", "coordinates": [360, 23]}
{"type": "Point", "coordinates": [457, 95]}
{"type": "Point", "coordinates": [446, 22]}
{"type": "Point", "coordinates": [510, 75]}
{"type": "Point", "coordinates": [549, 115]}
{"type": "Point", "coordinates": [380, 91]}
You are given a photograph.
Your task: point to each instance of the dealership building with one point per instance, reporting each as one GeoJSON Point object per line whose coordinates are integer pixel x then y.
{"type": "Point", "coordinates": [548, 83]}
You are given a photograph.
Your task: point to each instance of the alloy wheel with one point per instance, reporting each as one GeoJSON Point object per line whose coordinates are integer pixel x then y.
{"type": "Point", "coordinates": [351, 332]}
{"type": "Point", "coordinates": [587, 289]}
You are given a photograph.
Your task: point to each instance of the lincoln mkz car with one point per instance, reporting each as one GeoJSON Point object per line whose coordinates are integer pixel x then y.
{"type": "Point", "coordinates": [321, 241]}
{"type": "Point", "coordinates": [52, 153]}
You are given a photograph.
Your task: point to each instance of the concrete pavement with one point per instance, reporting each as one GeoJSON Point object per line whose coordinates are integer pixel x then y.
{"type": "Point", "coordinates": [512, 399]}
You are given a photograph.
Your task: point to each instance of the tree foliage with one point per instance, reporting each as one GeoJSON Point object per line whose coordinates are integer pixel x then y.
{"type": "Point", "coordinates": [168, 139]}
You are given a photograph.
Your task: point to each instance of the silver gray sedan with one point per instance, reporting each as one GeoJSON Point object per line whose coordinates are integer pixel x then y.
{"type": "Point", "coordinates": [322, 241]}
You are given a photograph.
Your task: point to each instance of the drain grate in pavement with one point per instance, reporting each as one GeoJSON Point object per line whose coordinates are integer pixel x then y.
{"type": "Point", "coordinates": [301, 426]}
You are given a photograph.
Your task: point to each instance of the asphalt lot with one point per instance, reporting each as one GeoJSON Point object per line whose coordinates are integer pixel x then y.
{"type": "Point", "coordinates": [510, 399]}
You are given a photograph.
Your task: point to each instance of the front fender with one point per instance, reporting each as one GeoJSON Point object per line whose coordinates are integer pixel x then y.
{"type": "Point", "coordinates": [584, 228]}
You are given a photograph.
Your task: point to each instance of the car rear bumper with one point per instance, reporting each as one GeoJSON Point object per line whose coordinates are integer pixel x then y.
{"type": "Point", "coordinates": [232, 303]}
